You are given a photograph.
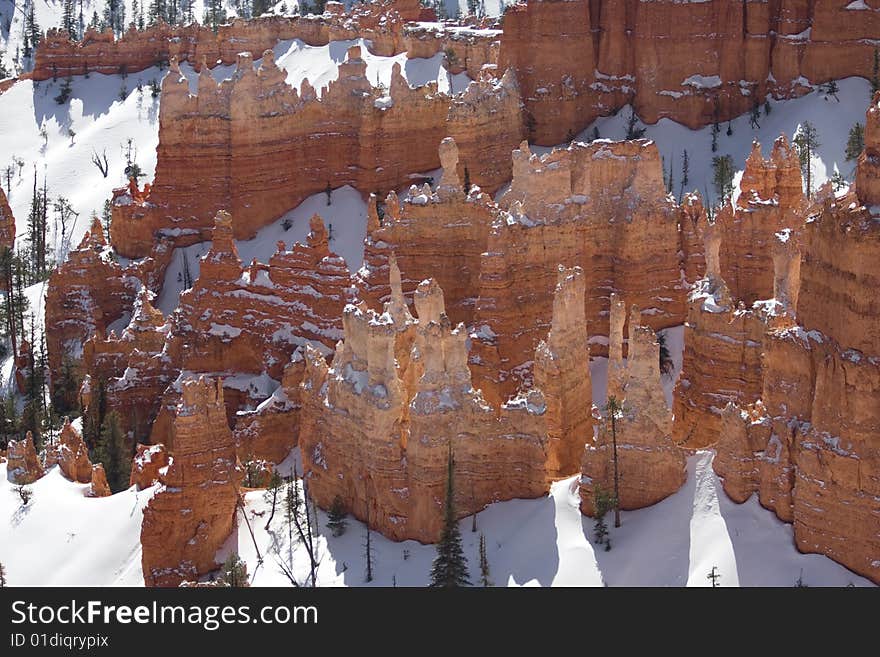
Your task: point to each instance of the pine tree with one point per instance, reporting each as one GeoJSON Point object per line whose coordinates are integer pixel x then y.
{"type": "Point", "coordinates": [271, 494]}
{"type": "Point", "coordinates": [670, 182]}
{"type": "Point", "coordinates": [603, 502]}
{"type": "Point", "coordinates": [875, 74]}
{"type": "Point", "coordinates": [368, 550]}
{"type": "Point", "coordinates": [806, 141]}
{"type": "Point", "coordinates": [729, 129]}
{"type": "Point", "coordinates": [114, 453]}
{"type": "Point", "coordinates": [485, 579]}
{"type": "Point", "coordinates": [685, 173]}
{"type": "Point", "coordinates": [614, 409]}
{"type": "Point", "coordinates": [722, 179]}
{"type": "Point", "coordinates": [68, 19]}
{"type": "Point", "coordinates": [855, 144]}
{"type": "Point", "coordinates": [2, 577]}
{"type": "Point", "coordinates": [715, 131]}
{"type": "Point", "coordinates": [336, 517]}
{"type": "Point", "coordinates": [32, 32]}
{"type": "Point", "coordinates": [633, 130]}
{"type": "Point", "coordinates": [234, 571]}
{"type": "Point", "coordinates": [450, 567]}
{"type": "Point", "coordinates": [467, 181]}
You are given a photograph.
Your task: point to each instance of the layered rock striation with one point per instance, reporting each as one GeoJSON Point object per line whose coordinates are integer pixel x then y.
{"type": "Point", "coordinates": [650, 466]}
{"type": "Point", "coordinates": [193, 510]}
{"type": "Point", "coordinates": [810, 448]}
{"type": "Point", "coordinates": [602, 207]}
{"type": "Point", "coordinates": [351, 134]}
{"type": "Point", "coordinates": [377, 425]}
{"type": "Point", "coordinates": [693, 62]}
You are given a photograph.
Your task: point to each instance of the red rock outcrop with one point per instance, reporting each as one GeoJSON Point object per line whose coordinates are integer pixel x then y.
{"type": "Point", "coordinates": [693, 62]}
{"type": "Point", "coordinates": [811, 452]}
{"type": "Point", "coordinates": [650, 466]}
{"type": "Point", "coordinates": [7, 223]}
{"type": "Point", "coordinates": [99, 486]}
{"type": "Point", "coordinates": [771, 200]}
{"type": "Point", "coordinates": [353, 134]}
{"type": "Point", "coordinates": [440, 233]}
{"type": "Point", "coordinates": [271, 430]}
{"type": "Point", "coordinates": [148, 465]}
{"type": "Point", "coordinates": [602, 207]}
{"type": "Point", "coordinates": [193, 512]}
{"type": "Point", "coordinates": [377, 425]}
{"type": "Point", "coordinates": [725, 327]}
{"type": "Point", "coordinates": [22, 463]}
{"type": "Point", "coordinates": [243, 324]}
{"type": "Point", "coordinates": [89, 292]}
{"type": "Point", "coordinates": [379, 23]}
{"type": "Point", "coordinates": [71, 455]}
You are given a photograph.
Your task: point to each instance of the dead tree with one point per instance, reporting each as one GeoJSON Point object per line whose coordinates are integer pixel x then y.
{"type": "Point", "coordinates": [100, 161]}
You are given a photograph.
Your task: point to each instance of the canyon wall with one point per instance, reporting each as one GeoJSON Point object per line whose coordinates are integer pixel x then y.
{"type": "Point", "coordinates": [810, 448]}
{"type": "Point", "coordinates": [382, 23]}
{"type": "Point", "coordinates": [650, 465]}
{"type": "Point", "coordinates": [693, 62]}
{"type": "Point", "coordinates": [353, 134]}
{"type": "Point", "coordinates": [378, 423]}
{"type": "Point", "coordinates": [732, 306]}
{"type": "Point", "coordinates": [193, 511]}
{"type": "Point", "coordinates": [602, 207]}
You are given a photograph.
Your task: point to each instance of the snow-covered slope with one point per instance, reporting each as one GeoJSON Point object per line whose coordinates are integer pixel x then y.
{"type": "Point", "coordinates": [542, 542]}
{"type": "Point", "coordinates": [63, 538]}
{"type": "Point", "coordinates": [831, 117]}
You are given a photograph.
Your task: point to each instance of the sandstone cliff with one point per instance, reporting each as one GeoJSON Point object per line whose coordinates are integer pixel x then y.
{"type": "Point", "coordinates": [810, 448]}
{"type": "Point", "coordinates": [377, 424]}
{"type": "Point", "coordinates": [693, 62]}
{"type": "Point", "coordinates": [352, 134]}
{"type": "Point", "coordinates": [602, 207]}
{"type": "Point", "coordinates": [193, 512]}
{"type": "Point", "coordinates": [650, 466]}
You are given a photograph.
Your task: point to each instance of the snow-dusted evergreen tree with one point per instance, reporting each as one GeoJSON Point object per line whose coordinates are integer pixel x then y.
{"type": "Point", "coordinates": [32, 32]}
{"type": "Point", "coordinates": [2, 576]}
{"type": "Point", "coordinates": [114, 16]}
{"type": "Point", "coordinates": [722, 176]}
{"type": "Point", "coordinates": [806, 141]}
{"type": "Point", "coordinates": [234, 571]}
{"type": "Point", "coordinates": [485, 577]}
{"type": "Point", "coordinates": [68, 18]}
{"type": "Point", "coordinates": [855, 143]}
{"type": "Point", "coordinates": [450, 566]}
{"type": "Point", "coordinates": [685, 173]}
{"type": "Point", "coordinates": [336, 517]}
{"type": "Point", "coordinates": [114, 452]}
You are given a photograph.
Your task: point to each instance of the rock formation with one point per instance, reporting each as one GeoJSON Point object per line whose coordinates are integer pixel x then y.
{"type": "Point", "coordinates": [382, 24]}
{"type": "Point", "coordinates": [602, 207]}
{"type": "Point", "coordinates": [440, 233]}
{"type": "Point", "coordinates": [810, 447]}
{"type": "Point", "coordinates": [7, 223]}
{"type": "Point", "coordinates": [725, 327]}
{"type": "Point", "coordinates": [193, 511]}
{"type": "Point", "coordinates": [22, 464]}
{"type": "Point", "coordinates": [352, 134]}
{"type": "Point", "coordinates": [71, 455]}
{"type": "Point", "coordinates": [650, 466]}
{"type": "Point", "coordinates": [377, 424]}
{"type": "Point", "coordinates": [693, 62]}
{"type": "Point", "coordinates": [771, 199]}
{"type": "Point", "coordinates": [85, 295]}
{"type": "Point", "coordinates": [243, 324]}
{"type": "Point", "coordinates": [99, 486]}
{"type": "Point", "coordinates": [150, 462]}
